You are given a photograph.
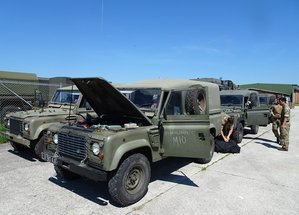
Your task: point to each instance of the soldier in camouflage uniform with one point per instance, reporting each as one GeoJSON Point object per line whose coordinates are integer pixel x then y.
{"type": "Point", "coordinates": [285, 124]}
{"type": "Point", "coordinates": [276, 115]}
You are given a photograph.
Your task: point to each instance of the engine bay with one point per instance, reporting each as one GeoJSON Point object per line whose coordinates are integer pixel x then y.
{"type": "Point", "coordinates": [109, 122]}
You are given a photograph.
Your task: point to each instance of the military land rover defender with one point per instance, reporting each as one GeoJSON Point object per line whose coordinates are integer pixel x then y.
{"type": "Point", "coordinates": [25, 128]}
{"type": "Point", "coordinates": [246, 108]}
{"type": "Point", "coordinates": [136, 124]}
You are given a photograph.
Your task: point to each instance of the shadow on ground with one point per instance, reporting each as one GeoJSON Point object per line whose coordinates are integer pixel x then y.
{"type": "Point", "coordinates": [97, 192]}
{"type": "Point", "coordinates": [26, 154]}
{"type": "Point", "coordinates": [268, 145]}
{"type": "Point", "coordinates": [264, 142]}
{"type": "Point", "coordinates": [258, 138]}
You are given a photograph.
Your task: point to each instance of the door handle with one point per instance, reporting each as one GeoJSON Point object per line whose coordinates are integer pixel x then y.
{"type": "Point", "coordinates": [201, 136]}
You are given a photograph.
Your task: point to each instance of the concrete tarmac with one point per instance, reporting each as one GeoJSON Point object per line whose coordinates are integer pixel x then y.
{"type": "Point", "coordinates": [259, 180]}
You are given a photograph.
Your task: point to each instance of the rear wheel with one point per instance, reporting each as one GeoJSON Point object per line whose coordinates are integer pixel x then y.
{"type": "Point", "coordinates": [238, 133]}
{"type": "Point", "coordinates": [207, 160]}
{"type": "Point", "coordinates": [130, 182]}
{"type": "Point", "coordinates": [254, 129]}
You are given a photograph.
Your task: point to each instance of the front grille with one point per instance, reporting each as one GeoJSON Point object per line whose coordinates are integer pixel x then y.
{"type": "Point", "coordinates": [15, 126]}
{"type": "Point", "coordinates": [72, 145]}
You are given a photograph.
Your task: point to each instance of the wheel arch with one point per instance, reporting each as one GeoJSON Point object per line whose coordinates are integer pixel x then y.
{"type": "Point", "coordinates": [128, 149]}
{"type": "Point", "coordinates": [213, 131]}
{"type": "Point", "coordinates": [41, 129]}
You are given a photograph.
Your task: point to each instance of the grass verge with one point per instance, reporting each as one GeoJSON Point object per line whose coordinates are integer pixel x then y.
{"type": "Point", "coordinates": [2, 138]}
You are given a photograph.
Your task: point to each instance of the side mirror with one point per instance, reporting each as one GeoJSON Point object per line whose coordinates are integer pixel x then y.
{"type": "Point", "coordinates": [248, 104]}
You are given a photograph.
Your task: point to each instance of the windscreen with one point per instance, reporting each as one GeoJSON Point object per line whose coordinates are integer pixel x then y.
{"type": "Point", "coordinates": [143, 98]}
{"type": "Point", "coordinates": [231, 100]}
{"type": "Point", "coordinates": [66, 96]}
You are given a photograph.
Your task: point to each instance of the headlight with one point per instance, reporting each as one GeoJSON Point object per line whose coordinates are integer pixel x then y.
{"type": "Point", "coordinates": [96, 148]}
{"type": "Point", "coordinates": [26, 126]}
{"type": "Point", "coordinates": [55, 138]}
{"type": "Point", "coordinates": [8, 123]}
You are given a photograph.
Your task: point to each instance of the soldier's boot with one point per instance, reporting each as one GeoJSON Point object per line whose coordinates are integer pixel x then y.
{"type": "Point", "coordinates": [278, 140]}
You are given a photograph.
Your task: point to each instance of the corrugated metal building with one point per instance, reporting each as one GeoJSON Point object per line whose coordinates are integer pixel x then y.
{"type": "Point", "coordinates": [289, 90]}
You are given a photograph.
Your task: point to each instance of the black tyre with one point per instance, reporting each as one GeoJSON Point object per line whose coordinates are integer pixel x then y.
{"type": "Point", "coordinates": [18, 147]}
{"type": "Point", "coordinates": [39, 147]}
{"type": "Point", "coordinates": [207, 160]}
{"type": "Point", "coordinates": [196, 102]}
{"type": "Point", "coordinates": [254, 129]}
{"type": "Point", "coordinates": [65, 174]}
{"type": "Point", "coordinates": [130, 182]}
{"type": "Point", "coordinates": [238, 133]}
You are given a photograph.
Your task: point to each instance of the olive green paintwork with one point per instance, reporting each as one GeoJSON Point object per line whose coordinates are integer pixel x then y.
{"type": "Point", "coordinates": [40, 120]}
{"type": "Point", "coordinates": [157, 135]}
{"type": "Point", "coordinates": [248, 113]}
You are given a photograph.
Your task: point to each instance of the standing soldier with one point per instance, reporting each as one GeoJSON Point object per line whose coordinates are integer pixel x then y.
{"type": "Point", "coordinates": [276, 115]}
{"type": "Point", "coordinates": [285, 124]}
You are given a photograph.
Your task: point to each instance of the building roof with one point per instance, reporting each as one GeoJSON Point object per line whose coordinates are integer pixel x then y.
{"type": "Point", "coordinates": [287, 89]}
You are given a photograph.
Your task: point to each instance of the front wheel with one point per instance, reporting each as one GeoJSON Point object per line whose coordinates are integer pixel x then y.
{"type": "Point", "coordinates": [238, 133]}
{"type": "Point", "coordinates": [39, 147]}
{"type": "Point", "coordinates": [130, 183]}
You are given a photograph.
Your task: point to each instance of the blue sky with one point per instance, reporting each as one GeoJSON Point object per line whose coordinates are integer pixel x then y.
{"type": "Point", "coordinates": [247, 41]}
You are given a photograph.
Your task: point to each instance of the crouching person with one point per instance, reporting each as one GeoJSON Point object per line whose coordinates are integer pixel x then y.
{"type": "Point", "coordinates": [223, 141]}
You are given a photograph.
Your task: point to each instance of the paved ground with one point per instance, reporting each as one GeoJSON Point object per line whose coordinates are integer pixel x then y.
{"type": "Point", "coordinates": [259, 180]}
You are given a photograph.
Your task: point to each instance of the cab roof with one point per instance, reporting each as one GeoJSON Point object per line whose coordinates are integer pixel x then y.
{"type": "Point", "coordinates": [167, 84]}
{"type": "Point", "coordinates": [237, 92]}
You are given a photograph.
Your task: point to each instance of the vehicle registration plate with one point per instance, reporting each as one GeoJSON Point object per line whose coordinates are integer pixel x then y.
{"type": "Point", "coordinates": [49, 158]}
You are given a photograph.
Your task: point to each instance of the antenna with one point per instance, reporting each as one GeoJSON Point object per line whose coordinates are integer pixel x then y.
{"type": "Point", "coordinates": [71, 101]}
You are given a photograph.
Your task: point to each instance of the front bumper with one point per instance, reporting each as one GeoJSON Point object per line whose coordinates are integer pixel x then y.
{"type": "Point", "coordinates": [16, 138]}
{"type": "Point", "coordinates": [78, 168]}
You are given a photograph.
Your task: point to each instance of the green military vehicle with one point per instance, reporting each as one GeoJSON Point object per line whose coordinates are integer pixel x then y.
{"type": "Point", "coordinates": [246, 108]}
{"type": "Point", "coordinates": [136, 124]}
{"type": "Point", "coordinates": [267, 99]}
{"type": "Point", "coordinates": [25, 128]}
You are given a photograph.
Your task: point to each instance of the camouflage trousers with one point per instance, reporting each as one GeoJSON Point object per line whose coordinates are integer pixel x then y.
{"type": "Point", "coordinates": [275, 127]}
{"type": "Point", "coordinates": [284, 135]}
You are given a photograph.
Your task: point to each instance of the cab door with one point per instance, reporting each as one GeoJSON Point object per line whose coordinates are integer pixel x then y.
{"type": "Point", "coordinates": [183, 134]}
{"type": "Point", "coordinates": [257, 114]}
